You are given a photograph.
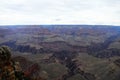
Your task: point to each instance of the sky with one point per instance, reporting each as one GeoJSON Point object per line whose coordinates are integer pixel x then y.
{"type": "Point", "coordinates": [91, 12]}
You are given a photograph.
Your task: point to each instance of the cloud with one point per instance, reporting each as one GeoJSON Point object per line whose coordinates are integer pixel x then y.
{"type": "Point", "coordinates": [60, 12]}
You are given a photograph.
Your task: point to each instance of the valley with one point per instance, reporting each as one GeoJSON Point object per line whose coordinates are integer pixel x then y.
{"type": "Point", "coordinates": [66, 52]}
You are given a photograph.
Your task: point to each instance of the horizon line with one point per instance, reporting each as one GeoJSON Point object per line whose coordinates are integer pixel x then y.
{"type": "Point", "coordinates": [59, 24]}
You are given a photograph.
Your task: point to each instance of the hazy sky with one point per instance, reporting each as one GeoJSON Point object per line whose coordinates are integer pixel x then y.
{"type": "Point", "coordinates": [105, 12]}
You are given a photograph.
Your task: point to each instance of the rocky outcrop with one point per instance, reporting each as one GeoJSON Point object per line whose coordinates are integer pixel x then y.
{"type": "Point", "coordinates": [30, 69]}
